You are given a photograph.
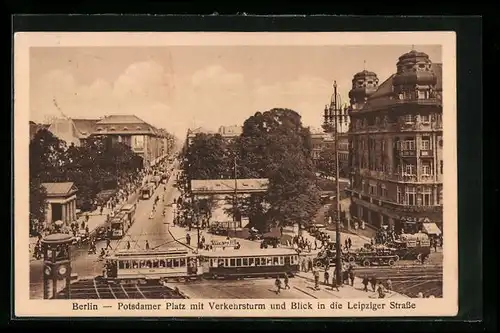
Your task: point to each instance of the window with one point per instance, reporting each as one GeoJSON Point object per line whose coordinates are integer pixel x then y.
{"type": "Point", "coordinates": [408, 144]}
{"type": "Point", "coordinates": [362, 186]}
{"type": "Point", "coordinates": [426, 197]}
{"type": "Point", "coordinates": [238, 262]}
{"type": "Point", "coordinates": [425, 118]}
{"type": "Point", "coordinates": [384, 191]}
{"type": "Point", "coordinates": [382, 145]}
{"type": "Point", "coordinates": [410, 196]}
{"type": "Point", "coordinates": [426, 169]}
{"type": "Point", "coordinates": [373, 189]}
{"type": "Point", "coordinates": [409, 169]}
{"type": "Point", "coordinates": [441, 167]}
{"type": "Point", "coordinates": [400, 198]}
{"type": "Point", "coordinates": [408, 118]}
{"type": "Point", "coordinates": [426, 143]}
{"type": "Point", "coordinates": [232, 262]}
{"type": "Point", "coordinates": [421, 94]}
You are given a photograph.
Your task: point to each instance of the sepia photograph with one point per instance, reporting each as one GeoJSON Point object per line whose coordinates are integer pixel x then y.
{"type": "Point", "coordinates": [291, 174]}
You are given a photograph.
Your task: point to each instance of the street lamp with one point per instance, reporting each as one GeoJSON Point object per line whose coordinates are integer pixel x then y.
{"type": "Point", "coordinates": [332, 115]}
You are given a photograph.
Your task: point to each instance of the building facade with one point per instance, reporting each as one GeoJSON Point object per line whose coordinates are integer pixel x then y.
{"type": "Point", "coordinates": [396, 142]}
{"type": "Point", "coordinates": [145, 140]}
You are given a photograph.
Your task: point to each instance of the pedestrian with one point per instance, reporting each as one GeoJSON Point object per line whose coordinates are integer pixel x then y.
{"type": "Point", "coordinates": [389, 285]}
{"type": "Point", "coordinates": [188, 239]}
{"type": "Point", "coordinates": [365, 283]}
{"type": "Point", "coordinates": [349, 242]}
{"type": "Point", "coordinates": [128, 245]}
{"type": "Point", "coordinates": [316, 279]}
{"type": "Point", "coordinates": [351, 275]}
{"type": "Point", "coordinates": [373, 282]}
{"type": "Point", "coordinates": [147, 245]}
{"type": "Point", "coordinates": [286, 281]}
{"type": "Point", "coordinates": [102, 208]}
{"type": "Point", "coordinates": [108, 244]}
{"type": "Point", "coordinates": [346, 243]}
{"type": "Point", "coordinates": [380, 290]}
{"type": "Point", "coordinates": [83, 225]}
{"type": "Point", "coordinates": [277, 283]}
{"type": "Point", "coordinates": [435, 245]}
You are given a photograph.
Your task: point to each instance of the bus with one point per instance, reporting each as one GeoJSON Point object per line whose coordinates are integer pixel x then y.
{"type": "Point", "coordinates": [250, 263]}
{"type": "Point", "coordinates": [147, 192]}
{"type": "Point", "coordinates": [167, 264]}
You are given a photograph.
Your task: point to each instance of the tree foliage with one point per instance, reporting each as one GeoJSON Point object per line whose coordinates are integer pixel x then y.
{"type": "Point", "coordinates": [208, 157]}
{"type": "Point", "coordinates": [275, 145]}
{"type": "Point", "coordinates": [97, 164]}
{"type": "Point", "coordinates": [326, 162]}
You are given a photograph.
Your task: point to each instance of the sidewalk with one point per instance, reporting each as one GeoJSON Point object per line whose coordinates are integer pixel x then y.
{"type": "Point", "coordinates": [345, 291]}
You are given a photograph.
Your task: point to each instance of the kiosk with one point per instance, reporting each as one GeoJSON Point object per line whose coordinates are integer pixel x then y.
{"type": "Point", "coordinates": [56, 250]}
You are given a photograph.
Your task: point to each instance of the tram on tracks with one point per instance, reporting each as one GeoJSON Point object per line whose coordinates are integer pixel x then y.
{"type": "Point", "coordinates": [175, 263]}
{"type": "Point", "coordinates": [250, 263]}
{"type": "Point", "coordinates": [122, 221]}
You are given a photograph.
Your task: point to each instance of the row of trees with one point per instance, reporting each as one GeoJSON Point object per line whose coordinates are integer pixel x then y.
{"type": "Point", "coordinates": [98, 164]}
{"type": "Point", "coordinates": [273, 145]}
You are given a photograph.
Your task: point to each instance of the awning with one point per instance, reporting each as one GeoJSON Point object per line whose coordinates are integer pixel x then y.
{"type": "Point", "coordinates": [431, 228]}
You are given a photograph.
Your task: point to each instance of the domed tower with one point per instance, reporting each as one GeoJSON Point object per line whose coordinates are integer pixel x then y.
{"type": "Point", "coordinates": [364, 84]}
{"type": "Point", "coordinates": [415, 78]}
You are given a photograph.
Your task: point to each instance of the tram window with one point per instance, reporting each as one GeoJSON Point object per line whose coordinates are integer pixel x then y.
{"type": "Point", "coordinates": [176, 262]}
{"type": "Point", "coordinates": [232, 262]}
{"type": "Point", "coordinates": [257, 261]}
{"type": "Point", "coordinates": [162, 263]}
{"type": "Point", "coordinates": [276, 261]}
{"type": "Point", "coordinates": [149, 264]}
{"type": "Point", "coordinates": [142, 264]}
{"type": "Point", "coordinates": [183, 262]}
{"type": "Point", "coordinates": [221, 263]}
{"type": "Point", "coordinates": [251, 262]}
{"type": "Point", "coordinates": [226, 262]}
{"type": "Point", "coordinates": [245, 261]}
{"type": "Point", "coordinates": [126, 264]}
{"type": "Point", "coordinates": [238, 262]}
{"type": "Point", "coordinates": [169, 263]}
{"type": "Point", "coordinates": [135, 264]}
{"type": "Point", "coordinates": [295, 259]}
{"type": "Point", "coordinates": [263, 261]}
{"type": "Point", "coordinates": [121, 264]}
{"type": "Point", "coordinates": [269, 261]}
{"type": "Point", "coordinates": [156, 263]}
{"type": "Point", "coordinates": [281, 260]}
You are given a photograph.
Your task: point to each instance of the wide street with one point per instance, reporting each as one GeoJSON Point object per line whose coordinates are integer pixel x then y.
{"type": "Point", "coordinates": [154, 230]}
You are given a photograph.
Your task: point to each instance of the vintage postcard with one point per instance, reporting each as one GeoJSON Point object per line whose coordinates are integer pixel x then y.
{"type": "Point", "coordinates": [235, 174]}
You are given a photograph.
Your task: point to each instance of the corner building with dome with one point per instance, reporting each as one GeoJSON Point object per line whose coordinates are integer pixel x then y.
{"type": "Point", "coordinates": [396, 144]}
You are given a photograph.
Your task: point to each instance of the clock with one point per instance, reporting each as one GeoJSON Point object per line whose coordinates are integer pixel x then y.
{"type": "Point", "coordinates": [62, 270]}
{"type": "Point", "coordinates": [48, 270]}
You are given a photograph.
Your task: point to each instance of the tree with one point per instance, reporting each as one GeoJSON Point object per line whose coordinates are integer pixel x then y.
{"type": "Point", "coordinates": [326, 162]}
{"type": "Point", "coordinates": [37, 196]}
{"type": "Point", "coordinates": [275, 145]}
{"type": "Point", "coordinates": [208, 157]}
{"type": "Point", "coordinates": [47, 157]}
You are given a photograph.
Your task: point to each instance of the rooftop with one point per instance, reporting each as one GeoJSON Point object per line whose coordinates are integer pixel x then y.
{"type": "Point", "coordinates": [59, 189]}
{"type": "Point", "coordinates": [213, 186]}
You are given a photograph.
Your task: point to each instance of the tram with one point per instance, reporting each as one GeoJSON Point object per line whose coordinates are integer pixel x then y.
{"type": "Point", "coordinates": [246, 263]}
{"type": "Point", "coordinates": [147, 191]}
{"type": "Point", "coordinates": [153, 265]}
{"type": "Point", "coordinates": [119, 225]}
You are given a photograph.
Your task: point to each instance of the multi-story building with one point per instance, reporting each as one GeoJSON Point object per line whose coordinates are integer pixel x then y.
{"type": "Point", "coordinates": [396, 142]}
{"type": "Point", "coordinates": [230, 132]}
{"type": "Point", "coordinates": [145, 140]}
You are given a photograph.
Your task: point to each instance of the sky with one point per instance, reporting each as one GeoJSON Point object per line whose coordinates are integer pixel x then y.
{"type": "Point", "coordinates": [181, 87]}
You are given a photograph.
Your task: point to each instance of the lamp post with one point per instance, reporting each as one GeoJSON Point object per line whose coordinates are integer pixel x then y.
{"type": "Point", "coordinates": [332, 115]}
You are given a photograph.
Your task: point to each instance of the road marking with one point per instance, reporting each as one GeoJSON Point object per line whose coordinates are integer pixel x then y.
{"type": "Point", "coordinates": [140, 292]}
{"type": "Point", "coordinates": [112, 292]}
{"type": "Point", "coordinates": [126, 293]}
{"type": "Point", "coordinates": [95, 288]}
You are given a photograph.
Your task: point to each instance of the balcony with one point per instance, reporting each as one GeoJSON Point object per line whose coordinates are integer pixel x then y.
{"type": "Point", "coordinates": [426, 153]}
{"type": "Point", "coordinates": [408, 152]}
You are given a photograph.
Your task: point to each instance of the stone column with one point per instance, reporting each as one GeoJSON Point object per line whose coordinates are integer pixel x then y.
{"type": "Point", "coordinates": [48, 214]}
{"type": "Point", "coordinates": [63, 212]}
{"type": "Point", "coordinates": [74, 209]}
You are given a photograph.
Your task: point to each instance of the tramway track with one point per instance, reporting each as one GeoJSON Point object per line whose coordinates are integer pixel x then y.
{"type": "Point", "coordinates": [97, 289]}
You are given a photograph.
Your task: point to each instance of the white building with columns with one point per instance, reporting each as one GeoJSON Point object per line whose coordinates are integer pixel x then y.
{"type": "Point", "coordinates": [61, 202]}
